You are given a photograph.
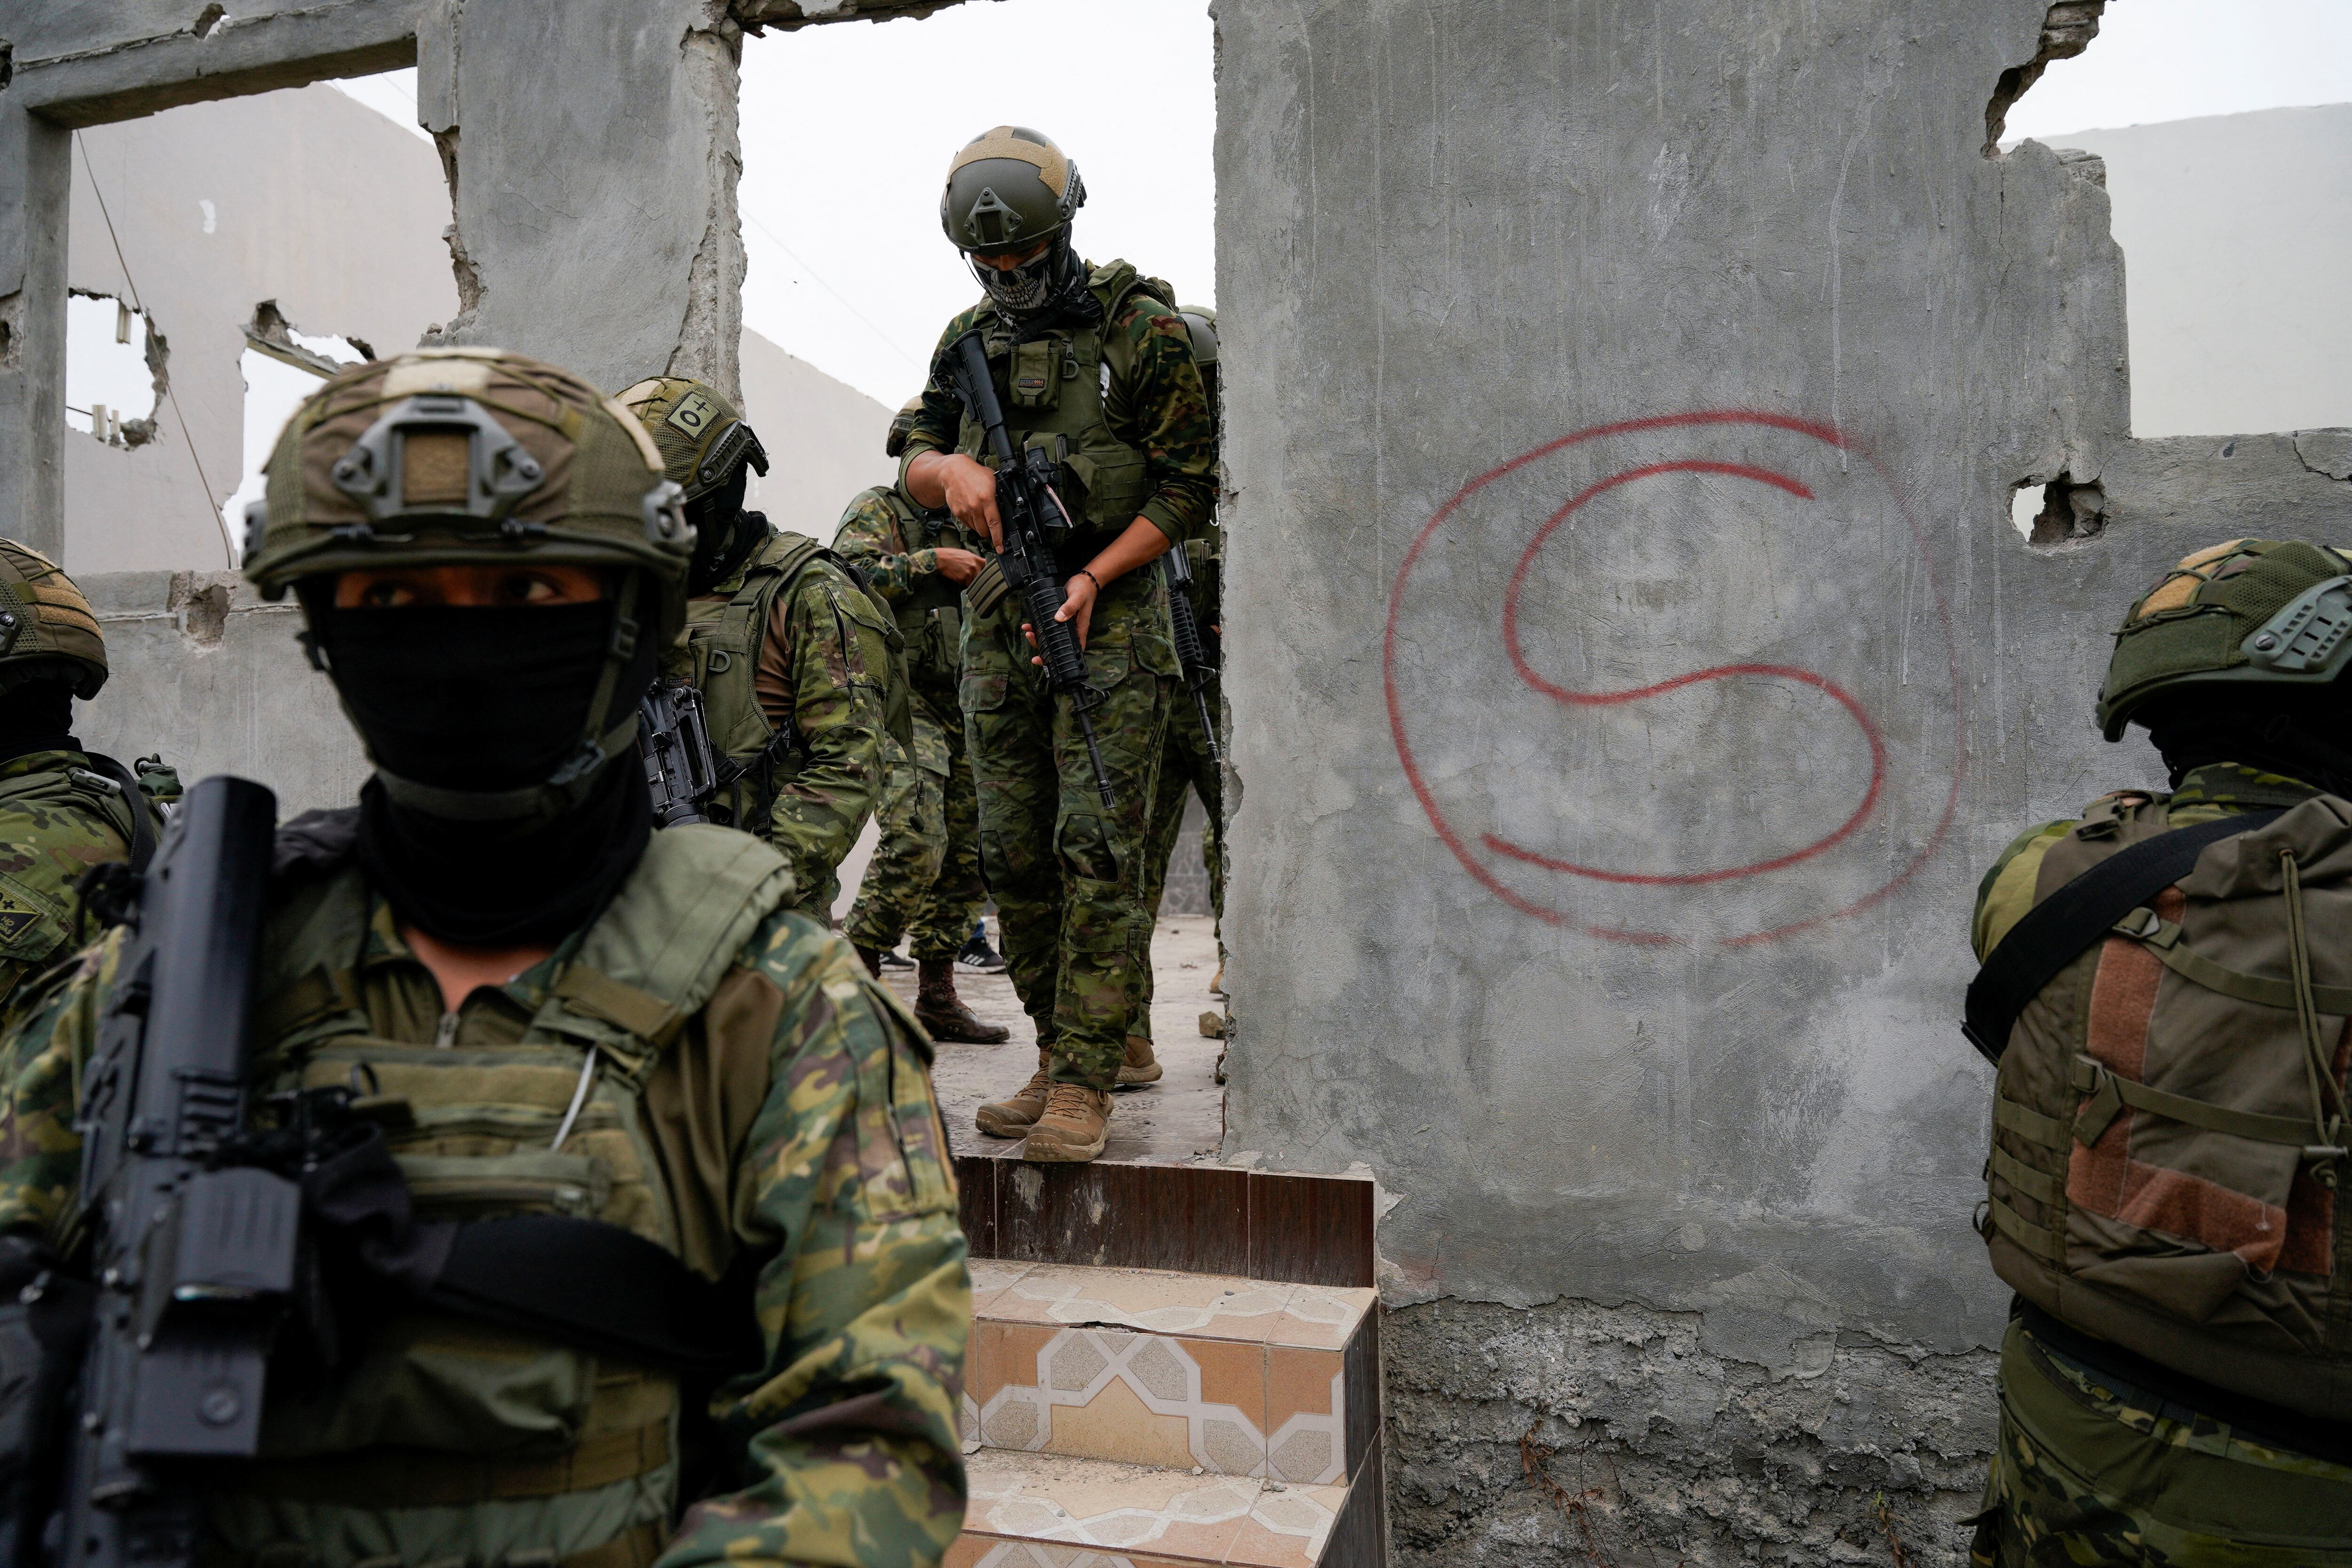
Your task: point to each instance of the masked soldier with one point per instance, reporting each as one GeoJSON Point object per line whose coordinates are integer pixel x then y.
{"type": "Point", "coordinates": [792, 660]}
{"type": "Point", "coordinates": [62, 809]}
{"type": "Point", "coordinates": [568, 1014]}
{"type": "Point", "coordinates": [2165, 986]}
{"type": "Point", "coordinates": [1093, 362]}
{"type": "Point", "coordinates": [925, 874]}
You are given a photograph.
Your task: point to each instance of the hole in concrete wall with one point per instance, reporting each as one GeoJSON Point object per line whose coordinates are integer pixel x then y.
{"type": "Point", "coordinates": [282, 365]}
{"type": "Point", "coordinates": [2066, 31]}
{"type": "Point", "coordinates": [114, 369]}
{"type": "Point", "coordinates": [2060, 512]}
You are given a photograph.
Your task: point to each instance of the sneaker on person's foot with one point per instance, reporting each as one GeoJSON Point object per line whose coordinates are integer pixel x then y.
{"type": "Point", "coordinates": [979, 957]}
{"type": "Point", "coordinates": [893, 959]}
{"type": "Point", "coordinates": [1012, 1118]}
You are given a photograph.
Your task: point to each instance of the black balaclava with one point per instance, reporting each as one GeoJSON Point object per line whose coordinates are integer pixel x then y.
{"type": "Point", "coordinates": [489, 700]}
{"type": "Point", "coordinates": [723, 537]}
{"type": "Point", "coordinates": [36, 716]}
{"type": "Point", "coordinates": [2295, 733]}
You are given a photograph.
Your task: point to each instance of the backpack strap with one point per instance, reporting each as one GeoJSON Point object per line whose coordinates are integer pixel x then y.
{"type": "Point", "coordinates": [2053, 932]}
{"type": "Point", "coordinates": [135, 802]}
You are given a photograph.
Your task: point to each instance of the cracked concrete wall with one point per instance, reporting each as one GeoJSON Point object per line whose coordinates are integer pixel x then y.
{"type": "Point", "coordinates": [305, 198]}
{"type": "Point", "coordinates": [1634, 668]}
{"type": "Point", "coordinates": [594, 229]}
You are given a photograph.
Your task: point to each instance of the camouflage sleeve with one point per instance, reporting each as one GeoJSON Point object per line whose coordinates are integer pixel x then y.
{"type": "Point", "coordinates": [837, 705]}
{"type": "Point", "coordinates": [40, 1066]}
{"type": "Point", "coordinates": [869, 540]}
{"type": "Point", "coordinates": [1163, 411]}
{"type": "Point", "coordinates": [941, 420]}
{"type": "Point", "coordinates": [2006, 890]}
{"type": "Point", "coordinates": [855, 1422]}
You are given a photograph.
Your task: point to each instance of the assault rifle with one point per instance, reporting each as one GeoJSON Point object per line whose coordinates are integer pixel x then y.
{"type": "Point", "coordinates": [1191, 657]}
{"type": "Point", "coordinates": [1034, 517]}
{"type": "Point", "coordinates": [674, 740]}
{"type": "Point", "coordinates": [195, 1258]}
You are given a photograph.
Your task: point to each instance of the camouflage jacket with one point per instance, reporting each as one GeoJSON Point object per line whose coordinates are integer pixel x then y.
{"type": "Point", "coordinates": [55, 824]}
{"type": "Point", "coordinates": [818, 647]}
{"type": "Point", "coordinates": [895, 547]}
{"type": "Point", "coordinates": [2216, 790]}
{"type": "Point", "coordinates": [1160, 407]}
{"type": "Point", "coordinates": [796, 1110]}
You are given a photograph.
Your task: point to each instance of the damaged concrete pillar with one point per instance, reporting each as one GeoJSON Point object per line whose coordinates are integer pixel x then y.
{"type": "Point", "coordinates": [35, 187]}
{"type": "Point", "coordinates": [593, 158]}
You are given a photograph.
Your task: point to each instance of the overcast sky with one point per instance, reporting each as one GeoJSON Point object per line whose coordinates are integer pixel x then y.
{"type": "Point", "coordinates": [848, 131]}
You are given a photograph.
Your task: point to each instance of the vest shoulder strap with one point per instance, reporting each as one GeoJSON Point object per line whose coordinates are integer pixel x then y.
{"type": "Point", "coordinates": [668, 937]}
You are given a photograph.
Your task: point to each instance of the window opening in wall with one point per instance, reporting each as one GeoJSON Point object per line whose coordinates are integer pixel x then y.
{"type": "Point", "coordinates": [281, 366]}
{"type": "Point", "coordinates": [114, 370]}
{"type": "Point", "coordinates": [2223, 140]}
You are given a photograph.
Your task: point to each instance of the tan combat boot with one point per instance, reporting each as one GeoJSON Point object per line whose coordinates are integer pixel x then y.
{"type": "Point", "coordinates": [1012, 1118]}
{"type": "Point", "coordinates": [943, 1014]}
{"type": "Point", "coordinates": [1139, 1067]}
{"type": "Point", "coordinates": [1072, 1130]}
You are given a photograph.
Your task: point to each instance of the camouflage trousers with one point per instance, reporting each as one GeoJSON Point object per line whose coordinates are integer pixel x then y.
{"type": "Point", "coordinates": [2087, 1472]}
{"type": "Point", "coordinates": [1068, 873]}
{"type": "Point", "coordinates": [924, 879]}
{"type": "Point", "coordinates": [1184, 767]}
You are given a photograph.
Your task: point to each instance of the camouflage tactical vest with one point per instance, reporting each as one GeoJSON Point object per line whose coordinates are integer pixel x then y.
{"type": "Point", "coordinates": [931, 619]}
{"type": "Point", "coordinates": [1053, 390]}
{"type": "Point", "coordinates": [58, 818]}
{"type": "Point", "coordinates": [541, 1447]}
{"type": "Point", "coordinates": [2167, 1161]}
{"type": "Point", "coordinates": [723, 642]}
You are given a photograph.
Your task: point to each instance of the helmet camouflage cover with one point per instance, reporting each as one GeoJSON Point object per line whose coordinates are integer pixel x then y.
{"type": "Point", "coordinates": [2252, 612]}
{"type": "Point", "coordinates": [701, 436]}
{"type": "Point", "coordinates": [48, 630]}
{"type": "Point", "coordinates": [1009, 188]}
{"type": "Point", "coordinates": [466, 456]}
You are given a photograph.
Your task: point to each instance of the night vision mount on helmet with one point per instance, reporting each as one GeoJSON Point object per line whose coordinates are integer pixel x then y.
{"type": "Point", "coordinates": [2252, 612]}
{"type": "Point", "coordinates": [1008, 189]}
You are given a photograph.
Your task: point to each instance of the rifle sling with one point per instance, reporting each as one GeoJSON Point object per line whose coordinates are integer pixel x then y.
{"type": "Point", "coordinates": [134, 801]}
{"type": "Point", "coordinates": [2056, 931]}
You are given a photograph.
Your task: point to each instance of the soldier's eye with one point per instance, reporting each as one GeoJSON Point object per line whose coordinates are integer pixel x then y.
{"type": "Point", "coordinates": [530, 589]}
{"type": "Point", "coordinates": [387, 596]}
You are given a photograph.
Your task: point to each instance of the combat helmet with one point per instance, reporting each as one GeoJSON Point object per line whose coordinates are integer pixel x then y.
{"type": "Point", "coordinates": [1008, 189]}
{"type": "Point", "coordinates": [701, 436]}
{"type": "Point", "coordinates": [2251, 613]}
{"type": "Point", "coordinates": [458, 457]}
{"type": "Point", "coordinates": [48, 630]}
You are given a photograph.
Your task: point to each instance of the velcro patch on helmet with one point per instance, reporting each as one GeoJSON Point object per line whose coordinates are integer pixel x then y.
{"type": "Point", "coordinates": [435, 469]}
{"type": "Point", "coordinates": [695, 414]}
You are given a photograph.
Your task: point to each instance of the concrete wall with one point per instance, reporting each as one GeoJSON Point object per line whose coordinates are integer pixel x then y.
{"type": "Point", "coordinates": [823, 439]}
{"type": "Point", "coordinates": [2235, 229]}
{"type": "Point", "coordinates": [303, 197]}
{"type": "Point", "coordinates": [1632, 669]}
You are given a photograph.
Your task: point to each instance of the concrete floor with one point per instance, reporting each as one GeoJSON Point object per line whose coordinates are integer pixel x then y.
{"type": "Point", "coordinates": [1180, 1118]}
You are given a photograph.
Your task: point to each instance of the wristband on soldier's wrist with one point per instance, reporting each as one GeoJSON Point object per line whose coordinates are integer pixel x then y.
{"type": "Point", "coordinates": [1087, 573]}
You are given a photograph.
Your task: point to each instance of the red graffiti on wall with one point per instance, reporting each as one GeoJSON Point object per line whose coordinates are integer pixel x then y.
{"type": "Point", "coordinates": [1500, 850]}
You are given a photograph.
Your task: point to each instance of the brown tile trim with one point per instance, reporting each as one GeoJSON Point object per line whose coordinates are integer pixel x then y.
{"type": "Point", "coordinates": [1204, 1219]}
{"type": "Point", "coordinates": [1359, 1538]}
{"type": "Point", "coordinates": [1360, 1382]}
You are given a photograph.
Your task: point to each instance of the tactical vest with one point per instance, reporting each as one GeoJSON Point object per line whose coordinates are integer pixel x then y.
{"type": "Point", "coordinates": [36, 913]}
{"type": "Point", "coordinates": [931, 619]}
{"type": "Point", "coordinates": [723, 642]}
{"type": "Point", "coordinates": [542, 1443]}
{"type": "Point", "coordinates": [2167, 1171]}
{"type": "Point", "coordinates": [1054, 387]}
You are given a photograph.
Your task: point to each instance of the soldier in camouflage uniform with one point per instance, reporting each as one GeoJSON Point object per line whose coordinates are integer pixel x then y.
{"type": "Point", "coordinates": [575, 1014]}
{"type": "Point", "coordinates": [2109, 1454]}
{"type": "Point", "coordinates": [62, 809]}
{"type": "Point", "coordinates": [1094, 361]}
{"type": "Point", "coordinates": [793, 659]}
{"type": "Point", "coordinates": [925, 874]}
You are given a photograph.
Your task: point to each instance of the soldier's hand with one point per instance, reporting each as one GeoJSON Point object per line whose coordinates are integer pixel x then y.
{"type": "Point", "coordinates": [972, 496]}
{"type": "Point", "coordinates": [957, 566]}
{"type": "Point", "coordinates": [1077, 607]}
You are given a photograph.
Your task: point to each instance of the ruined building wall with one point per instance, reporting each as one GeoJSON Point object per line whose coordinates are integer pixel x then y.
{"type": "Point", "coordinates": [1634, 667]}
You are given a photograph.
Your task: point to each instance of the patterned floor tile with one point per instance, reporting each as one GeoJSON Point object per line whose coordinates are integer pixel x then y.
{"type": "Point", "coordinates": [1286, 1528]}
{"type": "Point", "coordinates": [1121, 1509]}
{"type": "Point", "coordinates": [1208, 1305]}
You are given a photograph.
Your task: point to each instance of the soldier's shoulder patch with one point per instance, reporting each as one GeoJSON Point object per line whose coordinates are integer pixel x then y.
{"type": "Point", "coordinates": [31, 927]}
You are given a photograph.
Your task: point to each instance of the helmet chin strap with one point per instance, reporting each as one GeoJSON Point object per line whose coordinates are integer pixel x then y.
{"type": "Point", "coordinates": [604, 738]}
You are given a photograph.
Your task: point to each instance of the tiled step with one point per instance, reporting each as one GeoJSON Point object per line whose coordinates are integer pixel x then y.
{"type": "Point", "coordinates": [1225, 1376]}
{"type": "Point", "coordinates": [1047, 1511]}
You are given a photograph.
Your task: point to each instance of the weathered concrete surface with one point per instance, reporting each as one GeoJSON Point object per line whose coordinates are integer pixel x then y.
{"type": "Point", "coordinates": [1605, 827]}
{"type": "Point", "coordinates": [595, 230]}
{"type": "Point", "coordinates": [207, 672]}
{"type": "Point", "coordinates": [305, 198]}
